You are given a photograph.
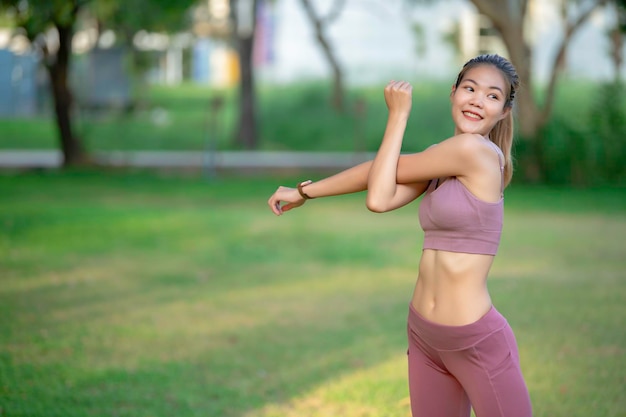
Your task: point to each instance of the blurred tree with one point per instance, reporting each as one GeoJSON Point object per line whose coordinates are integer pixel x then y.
{"type": "Point", "coordinates": [244, 16]}
{"type": "Point", "coordinates": [36, 18]}
{"type": "Point", "coordinates": [50, 24]}
{"type": "Point", "coordinates": [127, 17]}
{"type": "Point", "coordinates": [617, 35]}
{"type": "Point", "coordinates": [320, 24]}
{"type": "Point", "coordinates": [508, 18]}
{"type": "Point", "coordinates": [606, 152]}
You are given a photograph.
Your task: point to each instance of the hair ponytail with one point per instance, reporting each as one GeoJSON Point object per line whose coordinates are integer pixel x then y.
{"type": "Point", "coordinates": [502, 136]}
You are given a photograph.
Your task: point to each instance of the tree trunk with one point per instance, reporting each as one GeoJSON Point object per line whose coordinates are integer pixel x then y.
{"type": "Point", "coordinates": [338, 88]}
{"type": "Point", "coordinates": [529, 152]}
{"type": "Point", "coordinates": [508, 18]}
{"type": "Point", "coordinates": [71, 146]}
{"type": "Point", "coordinates": [319, 26]}
{"type": "Point", "coordinates": [247, 136]}
{"type": "Point", "coordinates": [617, 56]}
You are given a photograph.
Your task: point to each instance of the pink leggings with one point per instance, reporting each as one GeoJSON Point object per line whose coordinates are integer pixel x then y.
{"type": "Point", "coordinates": [453, 368]}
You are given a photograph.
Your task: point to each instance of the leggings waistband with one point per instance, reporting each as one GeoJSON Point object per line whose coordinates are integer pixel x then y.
{"type": "Point", "coordinates": [443, 337]}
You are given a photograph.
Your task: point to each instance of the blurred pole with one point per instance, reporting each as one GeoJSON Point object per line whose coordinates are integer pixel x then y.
{"type": "Point", "coordinates": [216, 106]}
{"type": "Point", "coordinates": [360, 113]}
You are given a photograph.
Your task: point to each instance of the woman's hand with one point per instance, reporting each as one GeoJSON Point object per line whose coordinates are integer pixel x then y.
{"type": "Point", "coordinates": [398, 96]}
{"type": "Point", "coordinates": [287, 195]}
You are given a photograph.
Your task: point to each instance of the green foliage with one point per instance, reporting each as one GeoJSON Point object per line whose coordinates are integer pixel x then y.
{"type": "Point", "coordinates": [299, 117]}
{"type": "Point", "coordinates": [37, 16]}
{"type": "Point", "coordinates": [295, 117]}
{"type": "Point", "coordinates": [131, 294]}
{"type": "Point", "coordinates": [583, 143]}
{"type": "Point", "coordinates": [592, 148]}
{"type": "Point", "coordinates": [608, 127]}
{"type": "Point", "coordinates": [131, 16]}
{"type": "Point", "coordinates": [621, 15]}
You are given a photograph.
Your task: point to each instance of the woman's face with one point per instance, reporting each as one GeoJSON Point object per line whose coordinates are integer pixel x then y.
{"type": "Point", "coordinates": [478, 101]}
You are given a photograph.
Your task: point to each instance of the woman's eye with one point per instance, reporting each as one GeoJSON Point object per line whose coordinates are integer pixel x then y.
{"type": "Point", "coordinates": [469, 88]}
{"type": "Point", "coordinates": [493, 96]}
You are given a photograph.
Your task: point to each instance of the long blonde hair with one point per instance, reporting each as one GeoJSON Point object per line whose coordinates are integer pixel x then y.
{"type": "Point", "coordinates": [502, 132]}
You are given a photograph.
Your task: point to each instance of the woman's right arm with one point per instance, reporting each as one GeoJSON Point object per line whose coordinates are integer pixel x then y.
{"type": "Point", "coordinates": [351, 180]}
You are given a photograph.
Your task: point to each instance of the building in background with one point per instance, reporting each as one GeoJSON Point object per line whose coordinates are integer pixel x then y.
{"type": "Point", "coordinates": [213, 60]}
{"type": "Point", "coordinates": [19, 85]}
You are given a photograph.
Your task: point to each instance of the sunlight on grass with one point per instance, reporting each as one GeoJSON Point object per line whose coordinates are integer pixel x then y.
{"type": "Point", "coordinates": [373, 392]}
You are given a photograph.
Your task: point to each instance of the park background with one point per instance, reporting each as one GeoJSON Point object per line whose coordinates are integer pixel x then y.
{"type": "Point", "coordinates": [142, 273]}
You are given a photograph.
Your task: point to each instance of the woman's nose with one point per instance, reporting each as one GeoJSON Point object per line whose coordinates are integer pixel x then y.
{"type": "Point", "coordinates": [477, 100]}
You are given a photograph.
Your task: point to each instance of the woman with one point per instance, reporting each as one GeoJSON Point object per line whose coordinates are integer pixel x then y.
{"type": "Point", "coordinates": [462, 352]}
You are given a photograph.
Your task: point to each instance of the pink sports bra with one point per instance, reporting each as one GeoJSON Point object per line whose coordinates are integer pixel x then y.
{"type": "Point", "coordinates": [455, 220]}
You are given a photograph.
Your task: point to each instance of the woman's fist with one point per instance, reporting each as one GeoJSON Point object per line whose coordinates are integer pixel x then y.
{"type": "Point", "coordinates": [398, 96]}
{"type": "Point", "coordinates": [285, 199]}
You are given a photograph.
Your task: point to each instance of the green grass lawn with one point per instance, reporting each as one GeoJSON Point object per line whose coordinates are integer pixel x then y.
{"type": "Point", "coordinates": [145, 295]}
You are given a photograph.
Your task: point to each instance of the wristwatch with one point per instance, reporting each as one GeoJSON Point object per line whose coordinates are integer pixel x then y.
{"type": "Point", "coordinates": [301, 191]}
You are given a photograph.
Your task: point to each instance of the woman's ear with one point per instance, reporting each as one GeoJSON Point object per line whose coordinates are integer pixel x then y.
{"type": "Point", "coordinates": [505, 112]}
{"type": "Point", "coordinates": [452, 90]}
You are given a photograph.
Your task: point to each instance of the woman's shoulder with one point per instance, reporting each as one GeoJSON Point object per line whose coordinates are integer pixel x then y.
{"type": "Point", "coordinates": [458, 156]}
{"type": "Point", "coordinates": [471, 140]}
{"type": "Point", "coordinates": [465, 144]}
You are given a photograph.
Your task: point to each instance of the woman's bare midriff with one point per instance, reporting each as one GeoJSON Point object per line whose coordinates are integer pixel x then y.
{"type": "Point", "coordinates": [451, 288]}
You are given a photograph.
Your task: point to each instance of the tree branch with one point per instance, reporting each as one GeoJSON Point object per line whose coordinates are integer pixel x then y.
{"type": "Point", "coordinates": [334, 12]}
{"type": "Point", "coordinates": [319, 26]}
{"type": "Point", "coordinates": [570, 29]}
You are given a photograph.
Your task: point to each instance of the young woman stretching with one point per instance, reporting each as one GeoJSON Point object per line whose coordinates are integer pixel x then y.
{"type": "Point", "coordinates": [462, 352]}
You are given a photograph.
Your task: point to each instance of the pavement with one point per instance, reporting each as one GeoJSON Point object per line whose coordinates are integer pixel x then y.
{"type": "Point", "coordinates": [222, 160]}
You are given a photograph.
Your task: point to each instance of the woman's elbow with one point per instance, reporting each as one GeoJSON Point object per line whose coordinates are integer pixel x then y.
{"type": "Point", "coordinates": [375, 206]}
